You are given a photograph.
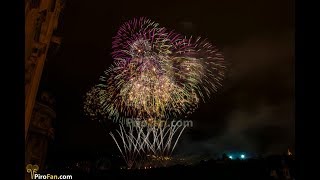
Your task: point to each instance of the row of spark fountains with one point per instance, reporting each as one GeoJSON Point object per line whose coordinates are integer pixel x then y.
{"type": "Point", "coordinates": [157, 76]}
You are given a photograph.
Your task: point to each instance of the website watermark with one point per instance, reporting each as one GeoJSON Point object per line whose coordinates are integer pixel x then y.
{"type": "Point", "coordinates": [33, 169]}
{"type": "Point", "coordinates": [152, 122]}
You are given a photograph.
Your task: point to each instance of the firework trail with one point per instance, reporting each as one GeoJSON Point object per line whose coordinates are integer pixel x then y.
{"type": "Point", "coordinates": [156, 75]}
{"type": "Point", "coordinates": [138, 140]}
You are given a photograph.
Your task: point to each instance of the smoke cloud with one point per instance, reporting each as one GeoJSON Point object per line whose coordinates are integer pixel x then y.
{"type": "Point", "coordinates": [256, 111]}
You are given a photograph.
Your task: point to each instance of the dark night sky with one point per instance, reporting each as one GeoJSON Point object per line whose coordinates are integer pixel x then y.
{"type": "Point", "coordinates": [254, 111]}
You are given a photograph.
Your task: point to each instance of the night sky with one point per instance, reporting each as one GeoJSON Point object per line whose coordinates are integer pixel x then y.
{"type": "Point", "coordinates": [253, 112]}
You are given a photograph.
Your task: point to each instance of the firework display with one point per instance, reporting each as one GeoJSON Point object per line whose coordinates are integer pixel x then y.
{"type": "Point", "coordinates": [157, 75]}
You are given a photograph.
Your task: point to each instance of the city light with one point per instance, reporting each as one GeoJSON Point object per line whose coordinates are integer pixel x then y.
{"type": "Point", "coordinates": [242, 156]}
{"type": "Point", "coordinates": [230, 157]}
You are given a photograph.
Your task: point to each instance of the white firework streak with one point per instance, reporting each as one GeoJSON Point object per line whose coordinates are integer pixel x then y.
{"type": "Point", "coordinates": [137, 140]}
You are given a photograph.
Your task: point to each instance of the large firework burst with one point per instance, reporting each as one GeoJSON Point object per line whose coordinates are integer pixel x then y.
{"type": "Point", "coordinates": [156, 73]}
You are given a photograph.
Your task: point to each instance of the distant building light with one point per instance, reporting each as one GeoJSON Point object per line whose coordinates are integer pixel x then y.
{"type": "Point", "coordinates": [230, 157]}
{"type": "Point", "coordinates": [242, 156]}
